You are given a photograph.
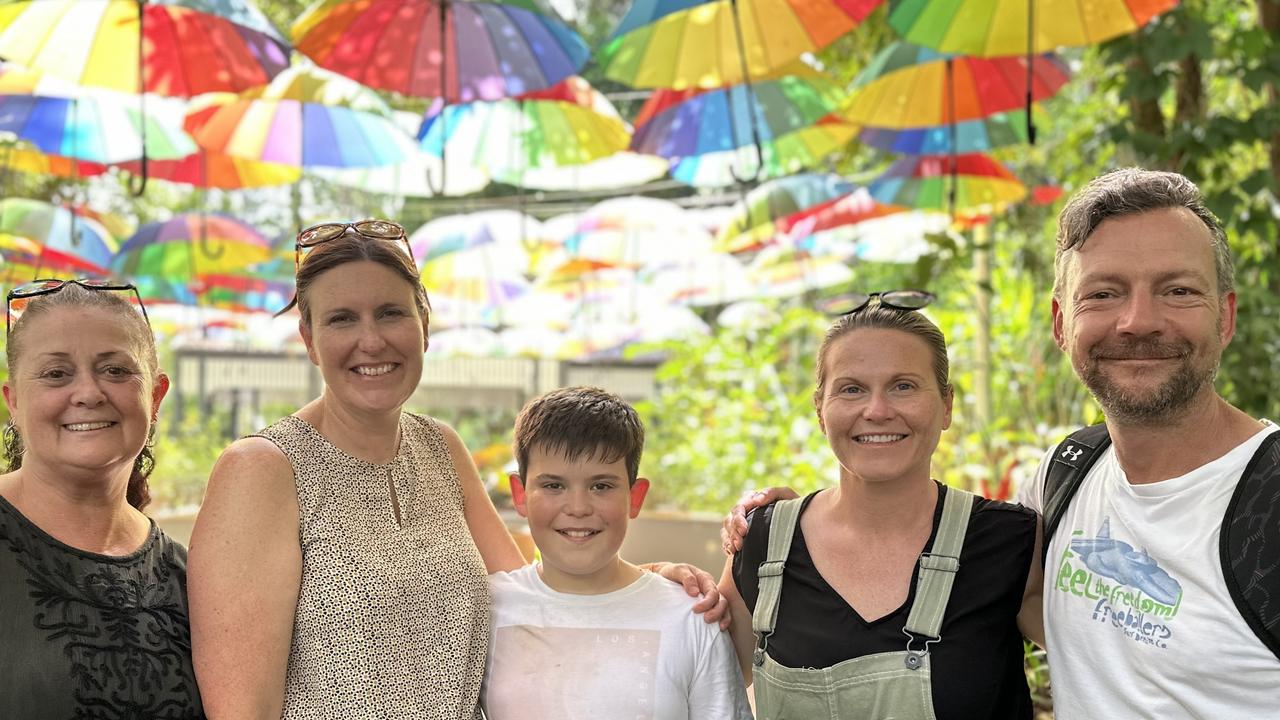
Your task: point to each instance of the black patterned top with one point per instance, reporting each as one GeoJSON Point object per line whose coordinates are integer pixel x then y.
{"type": "Point", "coordinates": [84, 635]}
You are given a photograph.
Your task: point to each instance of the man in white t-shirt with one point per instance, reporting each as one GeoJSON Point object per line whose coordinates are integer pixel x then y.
{"type": "Point", "coordinates": [585, 635]}
{"type": "Point", "coordinates": [1137, 616]}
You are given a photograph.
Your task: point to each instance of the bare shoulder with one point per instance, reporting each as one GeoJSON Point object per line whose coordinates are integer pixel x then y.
{"type": "Point", "coordinates": [252, 466]}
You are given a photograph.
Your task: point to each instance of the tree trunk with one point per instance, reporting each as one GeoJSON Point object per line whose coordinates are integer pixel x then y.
{"type": "Point", "coordinates": [1269, 19]}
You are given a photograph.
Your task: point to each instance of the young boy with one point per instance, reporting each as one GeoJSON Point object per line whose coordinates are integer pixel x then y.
{"type": "Point", "coordinates": [584, 634]}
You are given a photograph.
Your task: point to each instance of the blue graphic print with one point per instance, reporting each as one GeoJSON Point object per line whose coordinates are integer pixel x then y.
{"type": "Point", "coordinates": [1117, 560]}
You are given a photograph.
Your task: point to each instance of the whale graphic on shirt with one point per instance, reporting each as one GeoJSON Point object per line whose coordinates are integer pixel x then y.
{"type": "Point", "coordinates": [1118, 561]}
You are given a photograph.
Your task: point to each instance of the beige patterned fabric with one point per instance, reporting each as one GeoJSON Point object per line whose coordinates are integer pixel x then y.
{"type": "Point", "coordinates": [392, 619]}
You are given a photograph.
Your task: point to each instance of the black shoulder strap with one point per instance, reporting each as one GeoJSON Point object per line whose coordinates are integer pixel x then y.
{"type": "Point", "coordinates": [1249, 544]}
{"type": "Point", "coordinates": [1070, 463]}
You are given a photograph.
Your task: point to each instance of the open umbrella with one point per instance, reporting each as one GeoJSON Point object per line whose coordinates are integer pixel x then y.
{"type": "Point", "coordinates": [178, 48]}
{"type": "Point", "coordinates": [96, 127]}
{"type": "Point", "coordinates": [909, 86]}
{"type": "Point", "coordinates": [779, 271]}
{"type": "Point", "coordinates": [619, 170]}
{"type": "Point", "coordinates": [991, 28]}
{"type": "Point", "coordinates": [630, 231]}
{"type": "Point", "coordinates": [23, 158]}
{"type": "Point", "coordinates": [66, 241]}
{"type": "Point", "coordinates": [206, 169]}
{"type": "Point", "coordinates": [960, 184]}
{"type": "Point", "coordinates": [494, 49]}
{"type": "Point", "coordinates": [192, 245]}
{"type": "Point", "coordinates": [304, 117]}
{"type": "Point", "coordinates": [968, 136]}
{"type": "Point", "coordinates": [704, 44]}
{"type": "Point", "coordinates": [455, 233]}
{"type": "Point", "coordinates": [568, 124]}
{"type": "Point", "coordinates": [796, 206]}
{"type": "Point", "coordinates": [701, 132]}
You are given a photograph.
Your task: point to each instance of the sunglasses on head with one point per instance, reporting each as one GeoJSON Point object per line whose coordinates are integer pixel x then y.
{"type": "Point", "coordinates": [896, 299]}
{"type": "Point", "coordinates": [324, 232]}
{"type": "Point", "coordinates": [18, 298]}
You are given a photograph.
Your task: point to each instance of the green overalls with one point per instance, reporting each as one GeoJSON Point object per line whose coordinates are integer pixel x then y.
{"type": "Point", "coordinates": [884, 686]}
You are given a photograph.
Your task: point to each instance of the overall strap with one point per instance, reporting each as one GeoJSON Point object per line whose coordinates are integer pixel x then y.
{"type": "Point", "coordinates": [786, 515]}
{"type": "Point", "coordinates": [939, 565]}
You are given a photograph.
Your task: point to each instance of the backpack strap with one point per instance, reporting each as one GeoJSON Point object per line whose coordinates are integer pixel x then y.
{"type": "Point", "coordinates": [1249, 544]}
{"type": "Point", "coordinates": [1070, 463]}
{"type": "Point", "coordinates": [782, 527]}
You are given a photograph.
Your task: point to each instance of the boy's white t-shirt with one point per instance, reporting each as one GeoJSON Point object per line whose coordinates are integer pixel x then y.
{"type": "Point", "coordinates": [638, 653]}
{"type": "Point", "coordinates": [1138, 619]}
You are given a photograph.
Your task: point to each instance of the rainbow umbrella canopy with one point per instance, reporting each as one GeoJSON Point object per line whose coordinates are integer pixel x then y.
{"type": "Point", "coordinates": [958, 184]}
{"type": "Point", "coordinates": [630, 231]}
{"type": "Point", "coordinates": [794, 206]}
{"type": "Point", "coordinates": [568, 124]}
{"type": "Point", "coordinates": [178, 48]}
{"type": "Point", "coordinates": [990, 28]}
{"type": "Point", "coordinates": [456, 233]}
{"type": "Point", "coordinates": [63, 241]}
{"type": "Point", "coordinates": [190, 246]}
{"type": "Point", "coordinates": [704, 132]}
{"type": "Point", "coordinates": [697, 44]}
{"type": "Point", "coordinates": [492, 49]}
{"type": "Point", "coordinates": [909, 86]}
{"type": "Point", "coordinates": [968, 136]}
{"type": "Point", "coordinates": [305, 117]}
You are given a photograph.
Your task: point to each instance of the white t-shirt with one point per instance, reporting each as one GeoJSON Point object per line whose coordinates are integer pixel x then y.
{"type": "Point", "coordinates": [1138, 620]}
{"type": "Point", "coordinates": [637, 653]}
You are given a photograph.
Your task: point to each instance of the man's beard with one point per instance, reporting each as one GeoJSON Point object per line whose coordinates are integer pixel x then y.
{"type": "Point", "coordinates": [1146, 406]}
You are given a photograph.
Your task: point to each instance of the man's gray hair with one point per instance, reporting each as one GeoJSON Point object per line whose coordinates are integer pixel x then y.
{"type": "Point", "coordinates": [1132, 191]}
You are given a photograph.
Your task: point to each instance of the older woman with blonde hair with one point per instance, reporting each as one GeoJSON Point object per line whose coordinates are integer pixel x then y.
{"type": "Point", "coordinates": [93, 608]}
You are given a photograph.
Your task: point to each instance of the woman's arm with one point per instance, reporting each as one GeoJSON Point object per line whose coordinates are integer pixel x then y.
{"type": "Point", "coordinates": [489, 533]}
{"type": "Point", "coordinates": [1031, 616]}
{"type": "Point", "coordinates": [244, 571]}
{"type": "Point", "coordinates": [744, 640]}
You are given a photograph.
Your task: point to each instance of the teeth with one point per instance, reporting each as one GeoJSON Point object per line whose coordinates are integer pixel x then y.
{"type": "Point", "coordinates": [375, 369]}
{"type": "Point", "coordinates": [578, 533]}
{"type": "Point", "coordinates": [78, 427]}
{"type": "Point", "coordinates": [879, 438]}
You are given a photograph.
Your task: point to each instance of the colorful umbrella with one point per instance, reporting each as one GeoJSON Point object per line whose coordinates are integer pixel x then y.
{"type": "Point", "coordinates": [629, 231]}
{"type": "Point", "coordinates": [897, 238]}
{"type": "Point", "coordinates": [708, 279]}
{"type": "Point", "coordinates": [959, 184]}
{"type": "Point", "coordinates": [205, 169]}
{"type": "Point", "coordinates": [779, 271]}
{"type": "Point", "coordinates": [991, 28]}
{"type": "Point", "coordinates": [454, 233]}
{"type": "Point", "coordinates": [495, 49]}
{"type": "Point", "coordinates": [305, 117]}
{"type": "Point", "coordinates": [619, 170]}
{"type": "Point", "coordinates": [701, 132]}
{"type": "Point", "coordinates": [908, 86]}
{"type": "Point", "coordinates": [999, 130]}
{"type": "Point", "coordinates": [796, 205]}
{"type": "Point", "coordinates": [188, 46]}
{"type": "Point", "coordinates": [711, 43]}
{"type": "Point", "coordinates": [192, 245]}
{"type": "Point", "coordinates": [66, 241]}
{"type": "Point", "coordinates": [23, 159]}
{"type": "Point", "coordinates": [97, 127]}
{"type": "Point", "coordinates": [568, 124]}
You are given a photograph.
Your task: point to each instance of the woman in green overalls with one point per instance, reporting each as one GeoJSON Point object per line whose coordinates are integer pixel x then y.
{"type": "Point", "coordinates": [888, 595]}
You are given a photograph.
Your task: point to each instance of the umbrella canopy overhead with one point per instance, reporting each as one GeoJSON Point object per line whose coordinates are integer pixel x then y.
{"type": "Point", "coordinates": [990, 28]}
{"type": "Point", "coordinates": [205, 169]}
{"type": "Point", "coordinates": [66, 241]}
{"type": "Point", "coordinates": [192, 245]}
{"type": "Point", "coordinates": [99, 127]}
{"type": "Point", "coordinates": [494, 49]}
{"type": "Point", "coordinates": [619, 170]}
{"type": "Point", "coordinates": [980, 184]}
{"type": "Point", "coordinates": [304, 117]}
{"type": "Point", "coordinates": [189, 46]}
{"type": "Point", "coordinates": [702, 132]}
{"type": "Point", "coordinates": [630, 231]}
{"type": "Point", "coordinates": [568, 124]}
{"type": "Point", "coordinates": [970, 136]}
{"type": "Point", "coordinates": [455, 233]}
{"type": "Point", "coordinates": [694, 44]}
{"type": "Point", "coordinates": [908, 86]}
{"type": "Point", "coordinates": [793, 207]}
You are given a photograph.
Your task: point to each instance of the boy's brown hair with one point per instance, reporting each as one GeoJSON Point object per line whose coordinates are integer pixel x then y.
{"type": "Point", "coordinates": [579, 422]}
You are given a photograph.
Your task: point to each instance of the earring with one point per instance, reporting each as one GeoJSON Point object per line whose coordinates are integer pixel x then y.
{"type": "Point", "coordinates": [12, 441]}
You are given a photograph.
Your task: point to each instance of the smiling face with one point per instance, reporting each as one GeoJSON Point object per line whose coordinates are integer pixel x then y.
{"type": "Point", "coordinates": [80, 392]}
{"type": "Point", "coordinates": [578, 512]}
{"type": "Point", "coordinates": [366, 336]}
{"type": "Point", "coordinates": [880, 406]}
{"type": "Point", "coordinates": [1141, 317]}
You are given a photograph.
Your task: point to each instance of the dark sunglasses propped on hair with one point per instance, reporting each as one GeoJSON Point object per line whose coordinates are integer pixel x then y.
{"type": "Point", "coordinates": [18, 297]}
{"type": "Point", "coordinates": [897, 299]}
{"type": "Point", "coordinates": [324, 232]}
